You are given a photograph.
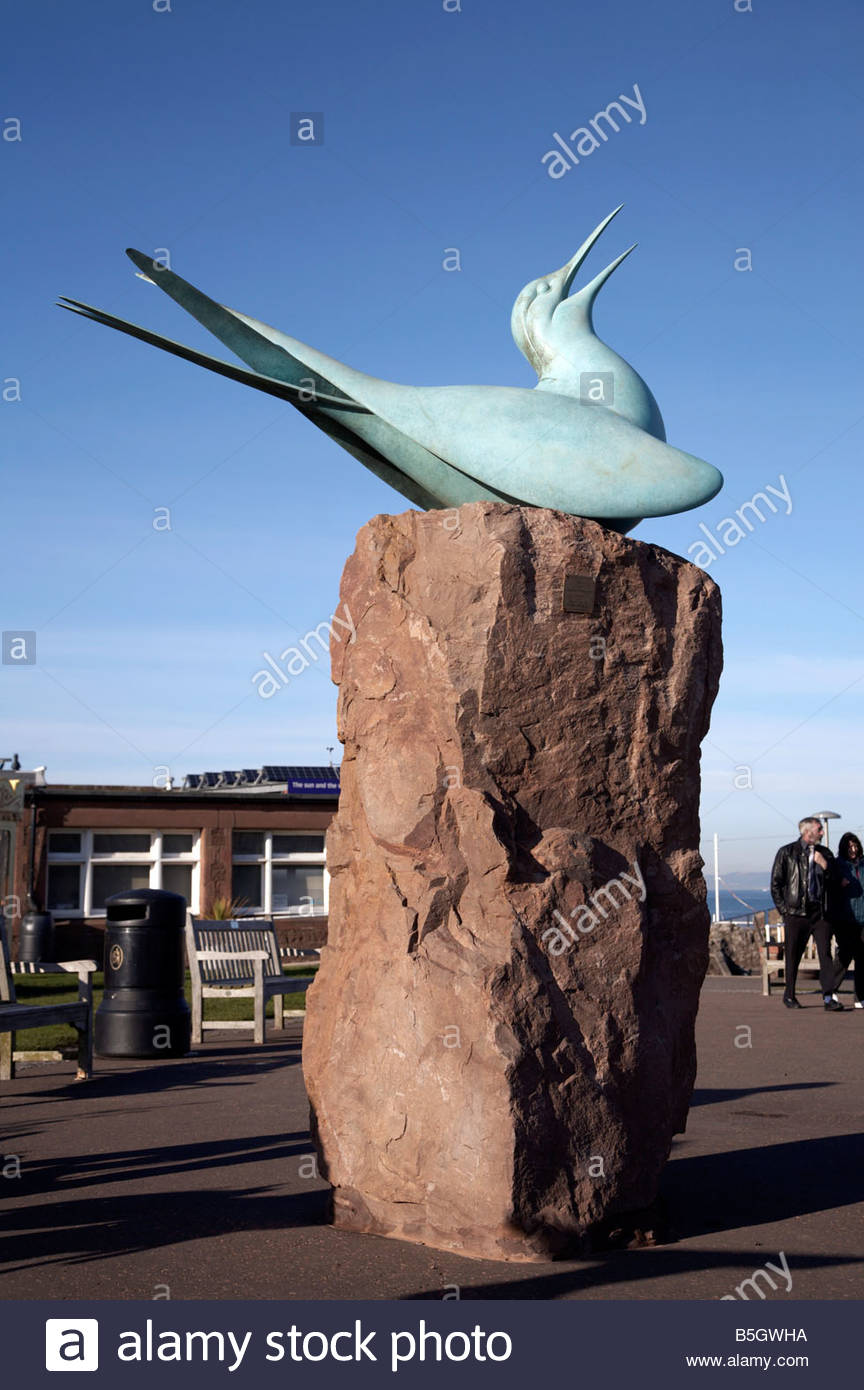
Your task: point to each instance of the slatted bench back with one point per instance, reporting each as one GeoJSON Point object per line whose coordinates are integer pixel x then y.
{"type": "Point", "coordinates": [218, 936]}
{"type": "Point", "coordinates": [7, 982]}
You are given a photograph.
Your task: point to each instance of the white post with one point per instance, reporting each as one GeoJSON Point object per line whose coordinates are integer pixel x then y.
{"type": "Point", "coordinates": [716, 877]}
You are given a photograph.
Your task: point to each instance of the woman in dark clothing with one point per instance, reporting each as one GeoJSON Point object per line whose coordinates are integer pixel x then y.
{"type": "Point", "coordinates": [849, 921]}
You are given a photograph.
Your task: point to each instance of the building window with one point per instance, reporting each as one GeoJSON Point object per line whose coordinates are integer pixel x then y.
{"type": "Point", "coordinates": [279, 873]}
{"type": "Point", "coordinates": [87, 866]}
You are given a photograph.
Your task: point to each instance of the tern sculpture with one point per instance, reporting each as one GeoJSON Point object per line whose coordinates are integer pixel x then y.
{"type": "Point", "coordinates": [551, 446]}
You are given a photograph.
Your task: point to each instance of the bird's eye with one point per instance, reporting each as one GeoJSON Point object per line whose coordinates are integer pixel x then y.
{"type": "Point", "coordinates": [544, 289]}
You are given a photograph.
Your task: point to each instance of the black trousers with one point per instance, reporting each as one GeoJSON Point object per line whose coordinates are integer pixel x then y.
{"type": "Point", "coordinates": [798, 933]}
{"type": "Point", "coordinates": [850, 946]}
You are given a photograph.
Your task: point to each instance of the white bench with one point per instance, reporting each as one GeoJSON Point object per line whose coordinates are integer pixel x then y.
{"type": "Point", "coordinates": [15, 1016]}
{"type": "Point", "coordinates": [237, 962]}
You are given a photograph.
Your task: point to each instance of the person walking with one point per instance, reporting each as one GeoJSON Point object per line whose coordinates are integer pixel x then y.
{"type": "Point", "coordinates": [801, 877]}
{"type": "Point", "coordinates": [848, 912]}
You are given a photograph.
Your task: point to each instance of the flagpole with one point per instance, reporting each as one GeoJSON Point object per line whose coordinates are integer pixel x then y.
{"type": "Point", "coordinates": [716, 877]}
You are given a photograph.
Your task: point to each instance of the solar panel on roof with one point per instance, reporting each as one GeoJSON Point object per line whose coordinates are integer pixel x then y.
{"type": "Point", "coordinates": [298, 779]}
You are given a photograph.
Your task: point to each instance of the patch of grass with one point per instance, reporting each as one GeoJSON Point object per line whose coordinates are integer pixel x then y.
{"type": "Point", "coordinates": [60, 989]}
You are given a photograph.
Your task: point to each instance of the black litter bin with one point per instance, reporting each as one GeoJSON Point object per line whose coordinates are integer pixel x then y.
{"type": "Point", "coordinates": [143, 1011]}
{"type": "Point", "coordinates": [36, 937]}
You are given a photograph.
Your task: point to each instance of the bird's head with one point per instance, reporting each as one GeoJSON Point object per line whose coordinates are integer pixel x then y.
{"type": "Point", "coordinates": [545, 322]}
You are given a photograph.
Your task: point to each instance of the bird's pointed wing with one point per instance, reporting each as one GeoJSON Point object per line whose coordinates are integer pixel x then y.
{"type": "Point", "coordinates": [301, 397]}
{"type": "Point", "coordinates": [338, 429]}
{"type": "Point", "coordinates": [323, 389]}
{"type": "Point", "coordinates": [237, 333]}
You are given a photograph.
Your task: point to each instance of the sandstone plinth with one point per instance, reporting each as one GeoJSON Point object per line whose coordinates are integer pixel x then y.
{"type": "Point", "coordinates": [499, 1044]}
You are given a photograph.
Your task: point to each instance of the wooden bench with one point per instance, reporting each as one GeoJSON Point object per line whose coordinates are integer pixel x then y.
{"type": "Point", "coordinates": [15, 1016]}
{"type": "Point", "coordinates": [237, 962]}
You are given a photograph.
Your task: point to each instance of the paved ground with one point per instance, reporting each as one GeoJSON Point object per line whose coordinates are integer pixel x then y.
{"type": "Point", "coordinates": [191, 1174]}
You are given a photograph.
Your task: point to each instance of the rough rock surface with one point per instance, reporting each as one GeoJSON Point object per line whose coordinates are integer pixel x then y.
{"type": "Point", "coordinates": [484, 1076]}
{"type": "Point", "coordinates": [740, 947]}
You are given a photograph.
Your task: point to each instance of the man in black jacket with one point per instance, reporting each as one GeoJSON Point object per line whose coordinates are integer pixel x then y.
{"type": "Point", "coordinates": [800, 882]}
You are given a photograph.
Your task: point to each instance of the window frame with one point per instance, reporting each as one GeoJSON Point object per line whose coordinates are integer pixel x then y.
{"type": "Point", "coordinates": [154, 858]}
{"type": "Point", "coordinates": [266, 861]}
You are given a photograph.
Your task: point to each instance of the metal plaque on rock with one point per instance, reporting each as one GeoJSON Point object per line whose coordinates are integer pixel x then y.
{"type": "Point", "coordinates": [579, 592]}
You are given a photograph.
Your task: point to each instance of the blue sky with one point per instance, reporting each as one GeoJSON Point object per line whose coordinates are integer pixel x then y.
{"type": "Point", "coordinates": [170, 128]}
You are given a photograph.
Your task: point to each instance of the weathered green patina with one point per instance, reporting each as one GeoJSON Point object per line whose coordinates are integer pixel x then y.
{"type": "Point", "coordinates": [588, 439]}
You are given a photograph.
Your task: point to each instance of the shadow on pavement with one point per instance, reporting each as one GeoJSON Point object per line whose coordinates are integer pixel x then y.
{"type": "Point", "coordinates": [716, 1095]}
{"type": "Point", "coordinates": [705, 1194]}
{"type": "Point", "coordinates": [121, 1078]}
{"type": "Point", "coordinates": [626, 1266]}
{"type": "Point", "coordinates": [137, 1165]}
{"type": "Point", "coordinates": [95, 1228]}
{"type": "Point", "coordinates": [764, 1185]}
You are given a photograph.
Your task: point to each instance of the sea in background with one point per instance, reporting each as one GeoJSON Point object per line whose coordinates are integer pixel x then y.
{"type": "Point", "coordinates": [740, 905]}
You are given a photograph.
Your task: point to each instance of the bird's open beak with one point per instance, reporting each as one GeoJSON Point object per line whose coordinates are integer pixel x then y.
{"type": "Point", "coordinates": [582, 301]}
{"type": "Point", "coordinates": [568, 271]}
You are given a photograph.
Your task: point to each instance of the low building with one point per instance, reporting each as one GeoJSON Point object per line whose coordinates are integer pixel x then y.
{"type": "Point", "coordinates": [252, 839]}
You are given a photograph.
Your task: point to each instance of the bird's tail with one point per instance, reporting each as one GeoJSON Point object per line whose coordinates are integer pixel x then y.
{"type": "Point", "coordinates": [303, 397]}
